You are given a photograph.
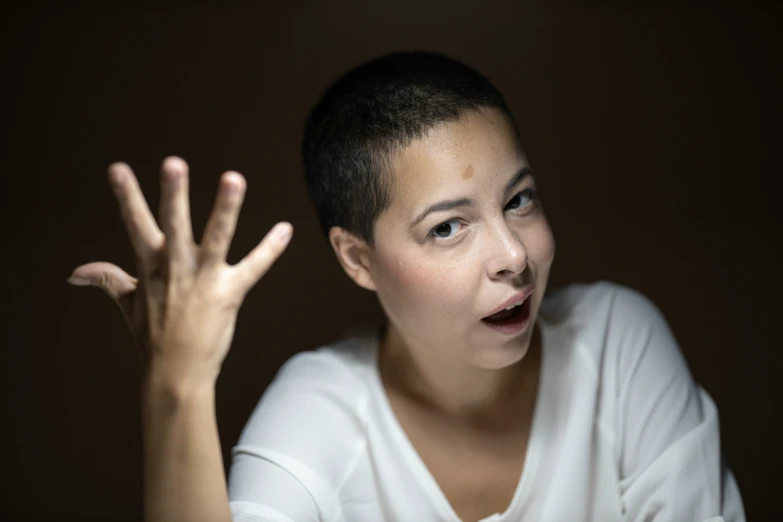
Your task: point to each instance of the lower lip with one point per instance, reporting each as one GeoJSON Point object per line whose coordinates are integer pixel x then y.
{"type": "Point", "coordinates": [515, 324]}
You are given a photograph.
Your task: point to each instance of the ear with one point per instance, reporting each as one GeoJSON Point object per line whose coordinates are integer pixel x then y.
{"type": "Point", "coordinates": [353, 254]}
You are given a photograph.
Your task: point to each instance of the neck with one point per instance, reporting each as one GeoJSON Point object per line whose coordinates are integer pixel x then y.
{"type": "Point", "coordinates": [451, 387]}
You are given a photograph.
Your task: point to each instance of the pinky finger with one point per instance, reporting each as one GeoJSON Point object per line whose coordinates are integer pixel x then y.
{"type": "Point", "coordinates": [254, 265]}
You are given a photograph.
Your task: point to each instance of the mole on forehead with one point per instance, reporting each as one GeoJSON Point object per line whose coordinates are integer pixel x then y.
{"type": "Point", "coordinates": [468, 172]}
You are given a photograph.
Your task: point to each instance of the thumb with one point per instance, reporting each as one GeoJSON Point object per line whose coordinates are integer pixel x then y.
{"type": "Point", "coordinates": [111, 278]}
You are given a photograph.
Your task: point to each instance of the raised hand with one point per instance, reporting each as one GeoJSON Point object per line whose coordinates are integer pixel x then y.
{"type": "Point", "coordinates": [183, 306]}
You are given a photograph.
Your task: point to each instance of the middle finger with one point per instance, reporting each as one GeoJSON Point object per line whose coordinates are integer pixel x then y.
{"type": "Point", "coordinates": [175, 215]}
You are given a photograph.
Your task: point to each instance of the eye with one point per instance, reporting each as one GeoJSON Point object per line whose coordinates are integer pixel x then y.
{"type": "Point", "coordinates": [445, 230]}
{"type": "Point", "coordinates": [522, 199]}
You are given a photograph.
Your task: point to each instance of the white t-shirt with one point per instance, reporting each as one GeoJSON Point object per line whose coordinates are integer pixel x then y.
{"type": "Point", "coordinates": [620, 431]}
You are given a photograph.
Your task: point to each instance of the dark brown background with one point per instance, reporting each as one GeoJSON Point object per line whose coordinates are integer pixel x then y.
{"type": "Point", "coordinates": [652, 131]}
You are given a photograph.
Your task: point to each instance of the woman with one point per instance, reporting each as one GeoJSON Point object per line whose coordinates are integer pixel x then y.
{"type": "Point", "coordinates": [479, 399]}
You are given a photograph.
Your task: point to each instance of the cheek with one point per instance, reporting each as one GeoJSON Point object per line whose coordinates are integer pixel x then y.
{"type": "Point", "coordinates": [412, 290]}
{"type": "Point", "coordinates": [541, 246]}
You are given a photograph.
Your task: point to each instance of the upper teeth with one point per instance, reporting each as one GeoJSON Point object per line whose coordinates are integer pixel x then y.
{"type": "Point", "coordinates": [513, 305]}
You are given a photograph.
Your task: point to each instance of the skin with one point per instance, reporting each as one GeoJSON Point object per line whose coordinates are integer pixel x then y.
{"type": "Point", "coordinates": [463, 393]}
{"type": "Point", "coordinates": [437, 356]}
{"type": "Point", "coordinates": [435, 291]}
{"type": "Point", "coordinates": [182, 309]}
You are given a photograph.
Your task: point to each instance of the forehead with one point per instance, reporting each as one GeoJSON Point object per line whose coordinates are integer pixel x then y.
{"type": "Point", "coordinates": [456, 158]}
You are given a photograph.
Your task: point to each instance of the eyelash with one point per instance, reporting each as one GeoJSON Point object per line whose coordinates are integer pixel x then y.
{"type": "Point", "coordinates": [532, 194]}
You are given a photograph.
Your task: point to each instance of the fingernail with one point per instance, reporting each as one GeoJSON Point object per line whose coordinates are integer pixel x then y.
{"type": "Point", "coordinates": [284, 231]}
{"type": "Point", "coordinates": [78, 281]}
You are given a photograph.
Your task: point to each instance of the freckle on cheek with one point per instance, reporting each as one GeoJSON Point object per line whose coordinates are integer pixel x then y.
{"type": "Point", "coordinates": [407, 274]}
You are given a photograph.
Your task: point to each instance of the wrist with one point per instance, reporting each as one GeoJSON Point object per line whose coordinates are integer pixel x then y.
{"type": "Point", "coordinates": [163, 387]}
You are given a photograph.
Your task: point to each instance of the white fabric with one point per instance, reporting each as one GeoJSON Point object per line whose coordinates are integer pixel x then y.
{"type": "Point", "coordinates": [620, 432]}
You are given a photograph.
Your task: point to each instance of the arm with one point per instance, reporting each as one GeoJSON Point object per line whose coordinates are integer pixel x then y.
{"type": "Point", "coordinates": [184, 478]}
{"type": "Point", "coordinates": [182, 311]}
{"type": "Point", "coordinates": [668, 432]}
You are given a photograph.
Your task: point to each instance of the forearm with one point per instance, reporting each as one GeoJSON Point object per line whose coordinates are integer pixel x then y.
{"type": "Point", "coordinates": [184, 479]}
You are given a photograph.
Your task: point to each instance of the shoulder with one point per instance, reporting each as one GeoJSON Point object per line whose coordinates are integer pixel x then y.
{"type": "Point", "coordinates": [312, 415]}
{"type": "Point", "coordinates": [613, 323]}
{"type": "Point", "coordinates": [305, 435]}
{"type": "Point", "coordinates": [331, 377]}
{"type": "Point", "coordinates": [598, 305]}
{"type": "Point", "coordinates": [341, 366]}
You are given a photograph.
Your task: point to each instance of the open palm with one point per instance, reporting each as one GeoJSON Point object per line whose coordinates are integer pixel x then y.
{"type": "Point", "coordinates": [183, 305]}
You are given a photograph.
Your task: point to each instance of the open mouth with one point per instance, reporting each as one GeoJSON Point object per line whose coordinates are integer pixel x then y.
{"type": "Point", "coordinates": [514, 316]}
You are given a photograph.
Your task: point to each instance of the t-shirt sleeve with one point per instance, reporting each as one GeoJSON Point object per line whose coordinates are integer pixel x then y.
{"type": "Point", "coordinates": [298, 444]}
{"type": "Point", "coordinates": [668, 433]}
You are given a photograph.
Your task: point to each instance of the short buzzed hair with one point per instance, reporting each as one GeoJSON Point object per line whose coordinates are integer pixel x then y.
{"type": "Point", "coordinates": [371, 111]}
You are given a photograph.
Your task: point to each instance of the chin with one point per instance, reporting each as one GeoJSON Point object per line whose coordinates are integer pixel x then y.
{"type": "Point", "coordinates": [504, 355]}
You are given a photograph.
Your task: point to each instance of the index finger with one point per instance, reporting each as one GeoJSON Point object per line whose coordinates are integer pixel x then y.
{"type": "Point", "coordinates": [145, 236]}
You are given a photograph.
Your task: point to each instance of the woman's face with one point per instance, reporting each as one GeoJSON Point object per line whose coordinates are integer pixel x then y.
{"type": "Point", "coordinates": [462, 238]}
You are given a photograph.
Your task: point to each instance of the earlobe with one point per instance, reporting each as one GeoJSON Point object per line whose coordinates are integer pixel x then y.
{"type": "Point", "coordinates": [353, 254]}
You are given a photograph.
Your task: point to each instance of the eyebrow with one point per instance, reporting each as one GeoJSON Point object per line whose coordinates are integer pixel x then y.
{"type": "Point", "coordinates": [451, 204]}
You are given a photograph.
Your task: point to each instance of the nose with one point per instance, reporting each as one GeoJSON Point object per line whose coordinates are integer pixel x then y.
{"type": "Point", "coordinates": [507, 255]}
